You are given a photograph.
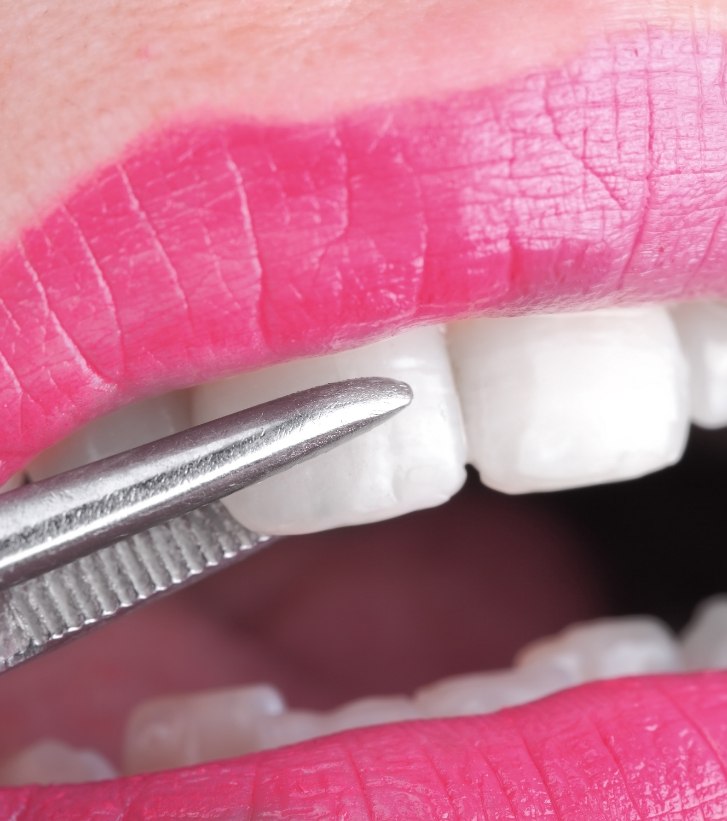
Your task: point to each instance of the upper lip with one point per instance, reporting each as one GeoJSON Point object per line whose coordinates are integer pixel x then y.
{"type": "Point", "coordinates": [216, 246]}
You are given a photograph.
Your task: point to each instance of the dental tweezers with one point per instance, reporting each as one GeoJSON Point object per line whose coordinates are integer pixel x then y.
{"type": "Point", "coordinates": [78, 549]}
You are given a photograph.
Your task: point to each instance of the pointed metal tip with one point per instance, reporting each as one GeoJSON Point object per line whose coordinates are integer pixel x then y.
{"type": "Point", "coordinates": [383, 396]}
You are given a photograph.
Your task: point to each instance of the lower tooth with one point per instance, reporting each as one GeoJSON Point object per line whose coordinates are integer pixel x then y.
{"type": "Point", "coordinates": [52, 762]}
{"type": "Point", "coordinates": [184, 730]}
{"type": "Point", "coordinates": [568, 400]}
{"type": "Point", "coordinates": [368, 711]}
{"type": "Point", "coordinates": [705, 638]}
{"type": "Point", "coordinates": [486, 692]}
{"type": "Point", "coordinates": [301, 725]}
{"type": "Point", "coordinates": [413, 461]}
{"type": "Point", "coordinates": [702, 327]}
{"type": "Point", "coordinates": [606, 648]}
{"type": "Point", "coordinates": [126, 428]}
{"type": "Point", "coordinates": [190, 729]}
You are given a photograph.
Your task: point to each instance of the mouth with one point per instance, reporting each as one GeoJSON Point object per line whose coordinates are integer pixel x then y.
{"type": "Point", "coordinates": [542, 261]}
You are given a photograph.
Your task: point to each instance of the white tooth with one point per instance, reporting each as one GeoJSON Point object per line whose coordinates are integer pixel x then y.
{"type": "Point", "coordinates": [14, 481]}
{"type": "Point", "coordinates": [412, 461]}
{"type": "Point", "coordinates": [125, 428]}
{"type": "Point", "coordinates": [368, 711]}
{"type": "Point", "coordinates": [702, 327]}
{"type": "Point", "coordinates": [568, 400]}
{"type": "Point", "coordinates": [704, 640]}
{"type": "Point", "coordinates": [290, 728]}
{"type": "Point", "coordinates": [301, 725]}
{"type": "Point", "coordinates": [606, 648]}
{"type": "Point", "coordinates": [486, 692]}
{"type": "Point", "coordinates": [181, 730]}
{"type": "Point", "coordinates": [53, 762]}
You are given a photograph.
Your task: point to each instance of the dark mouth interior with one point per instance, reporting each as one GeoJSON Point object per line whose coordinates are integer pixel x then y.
{"type": "Point", "coordinates": [389, 607]}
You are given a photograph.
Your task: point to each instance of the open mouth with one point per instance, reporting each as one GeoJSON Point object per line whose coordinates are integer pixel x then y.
{"type": "Point", "coordinates": [541, 261]}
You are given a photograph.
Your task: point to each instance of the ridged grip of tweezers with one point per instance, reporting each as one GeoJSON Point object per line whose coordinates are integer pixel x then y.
{"type": "Point", "coordinates": [70, 600]}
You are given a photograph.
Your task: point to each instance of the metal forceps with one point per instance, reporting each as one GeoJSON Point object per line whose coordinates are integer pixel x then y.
{"type": "Point", "coordinates": [80, 548]}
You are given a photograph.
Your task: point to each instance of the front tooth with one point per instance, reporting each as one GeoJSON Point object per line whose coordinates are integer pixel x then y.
{"type": "Point", "coordinates": [702, 327]}
{"type": "Point", "coordinates": [53, 762]}
{"type": "Point", "coordinates": [184, 730]}
{"type": "Point", "coordinates": [606, 648]}
{"type": "Point", "coordinates": [568, 400]}
{"type": "Point", "coordinates": [125, 428]}
{"type": "Point", "coordinates": [412, 461]}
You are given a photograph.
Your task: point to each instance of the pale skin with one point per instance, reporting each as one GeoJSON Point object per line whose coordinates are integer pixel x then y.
{"type": "Point", "coordinates": [79, 81]}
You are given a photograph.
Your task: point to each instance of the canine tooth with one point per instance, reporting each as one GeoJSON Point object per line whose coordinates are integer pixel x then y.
{"type": "Point", "coordinates": [182, 730]}
{"type": "Point", "coordinates": [606, 648]}
{"type": "Point", "coordinates": [702, 327]}
{"type": "Point", "coordinates": [125, 428]}
{"type": "Point", "coordinates": [486, 692]}
{"type": "Point", "coordinates": [567, 400]}
{"type": "Point", "coordinates": [53, 762]}
{"type": "Point", "coordinates": [413, 461]}
{"type": "Point", "coordinates": [704, 639]}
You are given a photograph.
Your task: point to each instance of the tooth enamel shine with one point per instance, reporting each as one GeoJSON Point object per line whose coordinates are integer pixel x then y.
{"type": "Point", "coordinates": [702, 328]}
{"type": "Point", "coordinates": [568, 400]}
{"type": "Point", "coordinates": [413, 461]}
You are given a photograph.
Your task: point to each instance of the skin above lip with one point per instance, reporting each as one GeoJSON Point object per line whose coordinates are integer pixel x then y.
{"type": "Point", "coordinates": [651, 747]}
{"type": "Point", "coordinates": [214, 246]}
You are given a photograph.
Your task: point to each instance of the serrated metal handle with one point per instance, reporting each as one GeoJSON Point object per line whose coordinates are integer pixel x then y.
{"type": "Point", "coordinates": [70, 601]}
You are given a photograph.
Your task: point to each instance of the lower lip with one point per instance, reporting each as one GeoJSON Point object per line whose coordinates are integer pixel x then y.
{"type": "Point", "coordinates": [219, 246]}
{"type": "Point", "coordinates": [651, 747]}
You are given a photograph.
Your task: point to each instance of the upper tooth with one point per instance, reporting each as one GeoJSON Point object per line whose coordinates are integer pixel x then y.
{"type": "Point", "coordinates": [703, 330]}
{"type": "Point", "coordinates": [13, 482]}
{"type": "Point", "coordinates": [549, 402]}
{"type": "Point", "coordinates": [126, 428]}
{"type": "Point", "coordinates": [413, 461]}
{"type": "Point", "coordinates": [567, 400]}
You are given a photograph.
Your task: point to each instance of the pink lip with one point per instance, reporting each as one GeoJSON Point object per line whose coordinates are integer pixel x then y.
{"type": "Point", "coordinates": [216, 246]}
{"type": "Point", "coordinates": [652, 747]}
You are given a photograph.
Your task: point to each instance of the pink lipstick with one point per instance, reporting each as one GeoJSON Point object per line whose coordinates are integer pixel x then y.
{"type": "Point", "coordinates": [211, 247]}
{"type": "Point", "coordinates": [650, 747]}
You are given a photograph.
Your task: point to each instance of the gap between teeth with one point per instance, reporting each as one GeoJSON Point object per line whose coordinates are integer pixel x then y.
{"type": "Point", "coordinates": [534, 403]}
{"type": "Point", "coordinates": [190, 729]}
